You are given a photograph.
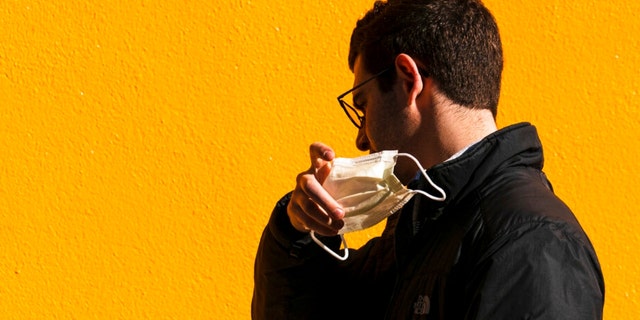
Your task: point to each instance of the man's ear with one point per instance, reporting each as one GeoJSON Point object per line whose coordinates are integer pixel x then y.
{"type": "Point", "coordinates": [409, 74]}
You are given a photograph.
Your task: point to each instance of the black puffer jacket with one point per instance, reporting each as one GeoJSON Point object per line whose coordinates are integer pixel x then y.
{"type": "Point", "coordinates": [502, 246]}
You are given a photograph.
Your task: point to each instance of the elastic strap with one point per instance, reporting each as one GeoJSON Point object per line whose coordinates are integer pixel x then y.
{"type": "Point", "coordinates": [424, 173]}
{"type": "Point", "coordinates": [331, 252]}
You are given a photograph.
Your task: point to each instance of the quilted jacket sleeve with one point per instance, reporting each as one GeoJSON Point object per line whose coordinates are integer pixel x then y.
{"type": "Point", "coordinates": [296, 279]}
{"type": "Point", "coordinates": [293, 277]}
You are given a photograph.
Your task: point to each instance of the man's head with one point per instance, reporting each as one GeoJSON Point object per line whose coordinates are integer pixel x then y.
{"type": "Point", "coordinates": [456, 42]}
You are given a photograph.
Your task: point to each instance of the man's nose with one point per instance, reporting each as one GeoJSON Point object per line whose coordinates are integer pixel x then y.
{"type": "Point", "coordinates": [362, 142]}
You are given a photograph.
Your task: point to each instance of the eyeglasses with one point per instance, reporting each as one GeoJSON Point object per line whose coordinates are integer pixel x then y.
{"type": "Point", "coordinates": [355, 115]}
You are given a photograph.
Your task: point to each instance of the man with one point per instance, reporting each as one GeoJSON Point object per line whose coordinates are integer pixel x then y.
{"type": "Point", "coordinates": [498, 245]}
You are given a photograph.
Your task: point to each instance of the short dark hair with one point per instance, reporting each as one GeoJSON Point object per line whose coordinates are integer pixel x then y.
{"type": "Point", "coordinates": [457, 40]}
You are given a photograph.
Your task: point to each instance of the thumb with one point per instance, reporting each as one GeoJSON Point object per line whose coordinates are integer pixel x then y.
{"type": "Point", "coordinates": [323, 172]}
{"type": "Point", "coordinates": [321, 157]}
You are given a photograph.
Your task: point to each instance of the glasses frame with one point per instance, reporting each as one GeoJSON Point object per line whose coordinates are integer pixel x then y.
{"type": "Point", "coordinates": [346, 106]}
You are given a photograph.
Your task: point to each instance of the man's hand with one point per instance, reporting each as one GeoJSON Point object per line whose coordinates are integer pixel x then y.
{"type": "Point", "coordinates": [311, 207]}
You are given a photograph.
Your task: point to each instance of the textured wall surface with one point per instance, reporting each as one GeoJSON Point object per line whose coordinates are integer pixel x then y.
{"type": "Point", "coordinates": [144, 143]}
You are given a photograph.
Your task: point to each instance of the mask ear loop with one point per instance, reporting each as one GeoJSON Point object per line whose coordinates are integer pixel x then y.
{"type": "Point", "coordinates": [424, 173]}
{"type": "Point", "coordinates": [327, 249]}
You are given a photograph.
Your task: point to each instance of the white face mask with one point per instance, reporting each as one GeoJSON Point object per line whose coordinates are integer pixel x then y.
{"type": "Point", "coordinates": [369, 192]}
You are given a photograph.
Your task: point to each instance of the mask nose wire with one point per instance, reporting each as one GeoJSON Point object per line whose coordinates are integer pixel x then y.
{"type": "Point", "coordinates": [331, 252]}
{"type": "Point", "coordinates": [424, 173]}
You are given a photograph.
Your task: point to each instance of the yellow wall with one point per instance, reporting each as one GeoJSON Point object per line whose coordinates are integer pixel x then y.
{"type": "Point", "coordinates": [143, 143]}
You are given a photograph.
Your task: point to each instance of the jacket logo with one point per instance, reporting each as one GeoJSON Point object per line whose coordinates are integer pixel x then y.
{"type": "Point", "coordinates": [422, 305]}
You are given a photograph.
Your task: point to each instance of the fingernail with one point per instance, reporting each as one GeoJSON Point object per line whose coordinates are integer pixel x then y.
{"type": "Point", "coordinates": [325, 155]}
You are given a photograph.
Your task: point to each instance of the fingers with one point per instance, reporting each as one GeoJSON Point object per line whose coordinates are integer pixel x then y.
{"type": "Point", "coordinates": [321, 157]}
{"type": "Point", "coordinates": [311, 189]}
{"type": "Point", "coordinates": [311, 207]}
{"type": "Point", "coordinates": [305, 216]}
{"type": "Point", "coordinates": [319, 151]}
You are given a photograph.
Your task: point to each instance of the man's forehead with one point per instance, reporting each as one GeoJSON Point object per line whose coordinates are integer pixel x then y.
{"type": "Point", "coordinates": [359, 73]}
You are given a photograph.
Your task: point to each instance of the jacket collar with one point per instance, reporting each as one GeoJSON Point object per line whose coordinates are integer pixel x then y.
{"type": "Point", "coordinates": [515, 145]}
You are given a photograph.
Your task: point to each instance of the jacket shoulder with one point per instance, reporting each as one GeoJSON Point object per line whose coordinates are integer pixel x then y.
{"type": "Point", "coordinates": [527, 253]}
{"type": "Point", "coordinates": [518, 197]}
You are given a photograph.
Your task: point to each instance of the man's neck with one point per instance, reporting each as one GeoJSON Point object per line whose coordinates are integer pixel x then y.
{"type": "Point", "coordinates": [445, 129]}
{"type": "Point", "coordinates": [454, 129]}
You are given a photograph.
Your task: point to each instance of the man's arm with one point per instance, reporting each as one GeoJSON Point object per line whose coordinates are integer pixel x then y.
{"type": "Point", "coordinates": [293, 277]}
